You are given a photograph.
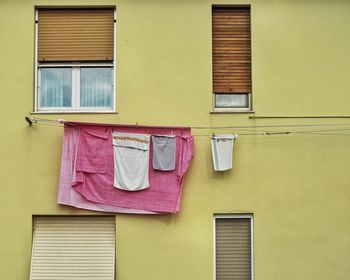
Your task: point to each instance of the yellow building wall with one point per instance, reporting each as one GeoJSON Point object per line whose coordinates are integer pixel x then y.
{"type": "Point", "coordinates": [297, 185]}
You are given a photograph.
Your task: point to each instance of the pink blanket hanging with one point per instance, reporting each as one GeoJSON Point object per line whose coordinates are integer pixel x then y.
{"type": "Point", "coordinates": [89, 185]}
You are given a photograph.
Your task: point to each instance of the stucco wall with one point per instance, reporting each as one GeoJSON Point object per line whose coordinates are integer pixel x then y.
{"type": "Point", "coordinates": [297, 186]}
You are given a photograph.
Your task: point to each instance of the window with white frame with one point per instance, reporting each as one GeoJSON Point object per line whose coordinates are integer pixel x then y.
{"type": "Point", "coordinates": [75, 60]}
{"type": "Point", "coordinates": [73, 247]}
{"type": "Point", "coordinates": [233, 247]}
{"type": "Point", "coordinates": [231, 55]}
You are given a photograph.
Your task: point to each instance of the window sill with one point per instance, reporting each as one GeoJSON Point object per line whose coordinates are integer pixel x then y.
{"type": "Point", "coordinates": [232, 112]}
{"type": "Point", "coordinates": [72, 112]}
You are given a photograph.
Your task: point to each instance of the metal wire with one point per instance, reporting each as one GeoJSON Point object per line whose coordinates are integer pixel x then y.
{"type": "Point", "coordinates": [245, 128]}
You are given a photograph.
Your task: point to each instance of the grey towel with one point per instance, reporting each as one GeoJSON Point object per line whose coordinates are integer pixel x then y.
{"type": "Point", "coordinates": [164, 149]}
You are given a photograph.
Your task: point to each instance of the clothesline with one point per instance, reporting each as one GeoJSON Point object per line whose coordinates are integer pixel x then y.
{"type": "Point", "coordinates": [251, 128]}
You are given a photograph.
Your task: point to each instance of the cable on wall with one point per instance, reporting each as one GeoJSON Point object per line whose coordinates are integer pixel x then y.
{"type": "Point", "coordinates": [252, 129]}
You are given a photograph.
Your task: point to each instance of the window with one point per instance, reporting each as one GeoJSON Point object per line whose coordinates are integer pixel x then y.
{"type": "Point", "coordinates": [73, 248]}
{"type": "Point", "coordinates": [233, 247]}
{"type": "Point", "coordinates": [75, 60]}
{"type": "Point", "coordinates": [232, 85]}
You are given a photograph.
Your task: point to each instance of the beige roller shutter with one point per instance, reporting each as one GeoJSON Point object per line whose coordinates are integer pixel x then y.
{"type": "Point", "coordinates": [73, 248]}
{"type": "Point", "coordinates": [75, 34]}
{"type": "Point", "coordinates": [231, 50]}
{"type": "Point", "coordinates": [233, 248]}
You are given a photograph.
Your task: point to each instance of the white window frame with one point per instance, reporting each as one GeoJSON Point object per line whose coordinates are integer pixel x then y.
{"type": "Point", "coordinates": [234, 216]}
{"type": "Point", "coordinates": [75, 66]}
{"type": "Point", "coordinates": [233, 109]}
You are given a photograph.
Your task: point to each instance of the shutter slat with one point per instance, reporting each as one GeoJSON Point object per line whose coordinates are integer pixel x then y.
{"type": "Point", "coordinates": [75, 34]}
{"type": "Point", "coordinates": [73, 248]}
{"type": "Point", "coordinates": [233, 248]}
{"type": "Point", "coordinates": [231, 35]}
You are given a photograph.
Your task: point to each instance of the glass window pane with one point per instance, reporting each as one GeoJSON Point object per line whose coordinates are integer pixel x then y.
{"type": "Point", "coordinates": [56, 87]}
{"type": "Point", "coordinates": [231, 100]}
{"type": "Point", "coordinates": [96, 87]}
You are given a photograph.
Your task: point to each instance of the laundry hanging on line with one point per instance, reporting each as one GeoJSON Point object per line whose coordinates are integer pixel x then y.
{"type": "Point", "coordinates": [93, 175]}
{"type": "Point", "coordinates": [164, 152]}
{"type": "Point", "coordinates": [131, 160]}
{"type": "Point", "coordinates": [222, 151]}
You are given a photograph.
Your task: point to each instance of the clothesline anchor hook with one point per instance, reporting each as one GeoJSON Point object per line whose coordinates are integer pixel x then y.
{"type": "Point", "coordinates": [29, 121]}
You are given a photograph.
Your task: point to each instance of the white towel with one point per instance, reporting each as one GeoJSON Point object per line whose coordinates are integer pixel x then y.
{"type": "Point", "coordinates": [222, 151]}
{"type": "Point", "coordinates": [131, 161]}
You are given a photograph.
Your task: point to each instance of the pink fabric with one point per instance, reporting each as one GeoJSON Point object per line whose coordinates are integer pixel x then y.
{"type": "Point", "coordinates": [66, 194]}
{"type": "Point", "coordinates": [94, 172]}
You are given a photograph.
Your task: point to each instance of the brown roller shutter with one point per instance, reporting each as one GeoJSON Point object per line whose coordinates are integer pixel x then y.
{"type": "Point", "coordinates": [75, 34]}
{"type": "Point", "coordinates": [231, 50]}
{"type": "Point", "coordinates": [233, 248]}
